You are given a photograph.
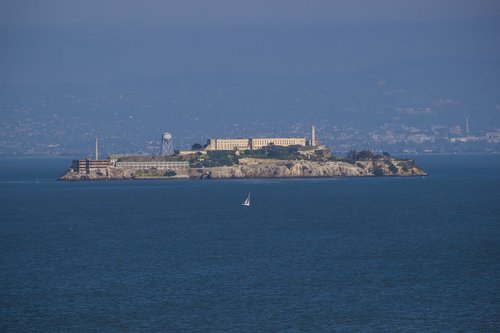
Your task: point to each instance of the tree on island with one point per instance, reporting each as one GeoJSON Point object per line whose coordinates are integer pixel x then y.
{"type": "Point", "coordinates": [196, 146]}
{"type": "Point", "coordinates": [362, 155]}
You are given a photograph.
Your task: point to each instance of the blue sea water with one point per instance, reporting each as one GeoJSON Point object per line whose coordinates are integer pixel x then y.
{"type": "Point", "coordinates": [318, 255]}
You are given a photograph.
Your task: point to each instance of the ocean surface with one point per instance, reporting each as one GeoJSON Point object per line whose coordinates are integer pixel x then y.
{"type": "Point", "coordinates": [319, 255]}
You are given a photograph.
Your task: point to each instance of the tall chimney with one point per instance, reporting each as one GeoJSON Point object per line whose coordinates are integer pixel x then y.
{"type": "Point", "coordinates": [313, 137]}
{"type": "Point", "coordinates": [467, 125]}
{"type": "Point", "coordinates": [96, 150]}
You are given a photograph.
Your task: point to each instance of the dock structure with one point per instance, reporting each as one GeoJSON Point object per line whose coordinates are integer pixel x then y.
{"type": "Point", "coordinates": [87, 165]}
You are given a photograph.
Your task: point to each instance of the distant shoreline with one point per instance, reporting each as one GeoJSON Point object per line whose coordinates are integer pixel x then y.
{"type": "Point", "coordinates": [396, 153]}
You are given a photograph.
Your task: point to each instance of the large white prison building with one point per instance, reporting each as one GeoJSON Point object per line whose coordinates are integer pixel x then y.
{"type": "Point", "coordinates": [252, 143]}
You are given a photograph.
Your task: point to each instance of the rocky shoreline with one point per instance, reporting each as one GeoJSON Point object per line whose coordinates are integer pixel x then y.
{"type": "Point", "coordinates": [251, 168]}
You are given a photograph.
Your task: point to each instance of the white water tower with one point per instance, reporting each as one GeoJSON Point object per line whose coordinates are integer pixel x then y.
{"type": "Point", "coordinates": [167, 146]}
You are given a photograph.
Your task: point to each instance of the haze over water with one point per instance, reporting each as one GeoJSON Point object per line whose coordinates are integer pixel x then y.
{"type": "Point", "coordinates": [346, 254]}
{"type": "Point", "coordinates": [392, 75]}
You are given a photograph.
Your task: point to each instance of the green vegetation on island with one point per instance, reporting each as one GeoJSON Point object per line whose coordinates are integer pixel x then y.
{"type": "Point", "coordinates": [154, 173]}
{"type": "Point", "coordinates": [219, 158]}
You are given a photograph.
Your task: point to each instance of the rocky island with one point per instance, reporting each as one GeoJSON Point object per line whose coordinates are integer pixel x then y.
{"type": "Point", "coordinates": [270, 161]}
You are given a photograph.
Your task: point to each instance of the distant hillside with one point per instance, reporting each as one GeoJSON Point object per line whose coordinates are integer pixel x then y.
{"type": "Point", "coordinates": [130, 115]}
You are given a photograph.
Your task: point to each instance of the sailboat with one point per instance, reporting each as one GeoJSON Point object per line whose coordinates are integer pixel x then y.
{"type": "Point", "coordinates": [247, 201]}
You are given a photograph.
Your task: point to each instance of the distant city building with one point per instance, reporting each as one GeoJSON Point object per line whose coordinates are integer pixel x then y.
{"type": "Point", "coordinates": [469, 138]}
{"type": "Point", "coordinates": [457, 130]}
{"type": "Point", "coordinates": [420, 138]}
{"type": "Point", "coordinates": [493, 137]}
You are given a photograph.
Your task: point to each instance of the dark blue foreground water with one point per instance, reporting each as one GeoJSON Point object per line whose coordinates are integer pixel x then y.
{"type": "Point", "coordinates": [378, 254]}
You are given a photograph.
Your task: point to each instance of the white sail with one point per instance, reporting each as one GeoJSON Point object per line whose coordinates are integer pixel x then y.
{"type": "Point", "coordinates": [247, 201]}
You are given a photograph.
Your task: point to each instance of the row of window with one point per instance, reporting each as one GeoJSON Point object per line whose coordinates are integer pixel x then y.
{"type": "Point", "coordinates": [156, 163]}
{"type": "Point", "coordinates": [261, 142]}
{"type": "Point", "coordinates": [160, 165]}
{"type": "Point", "coordinates": [278, 142]}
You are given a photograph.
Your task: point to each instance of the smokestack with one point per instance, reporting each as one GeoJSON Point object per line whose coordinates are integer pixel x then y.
{"type": "Point", "coordinates": [467, 125]}
{"type": "Point", "coordinates": [313, 136]}
{"type": "Point", "coordinates": [96, 150]}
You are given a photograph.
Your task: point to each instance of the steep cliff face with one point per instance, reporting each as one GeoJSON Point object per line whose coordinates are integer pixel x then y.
{"type": "Point", "coordinates": [263, 168]}
{"type": "Point", "coordinates": [117, 174]}
{"type": "Point", "coordinates": [302, 169]}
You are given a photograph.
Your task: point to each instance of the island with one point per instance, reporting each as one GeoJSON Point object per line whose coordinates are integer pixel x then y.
{"type": "Point", "coordinates": [269, 161]}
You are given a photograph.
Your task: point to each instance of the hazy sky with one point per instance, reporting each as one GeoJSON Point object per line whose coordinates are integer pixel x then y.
{"type": "Point", "coordinates": [164, 12]}
{"type": "Point", "coordinates": [86, 41]}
